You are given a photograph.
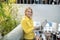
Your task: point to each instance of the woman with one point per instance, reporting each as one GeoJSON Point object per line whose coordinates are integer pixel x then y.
{"type": "Point", "coordinates": [27, 25]}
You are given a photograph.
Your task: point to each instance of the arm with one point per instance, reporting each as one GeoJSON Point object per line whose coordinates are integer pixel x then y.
{"type": "Point", "coordinates": [26, 27]}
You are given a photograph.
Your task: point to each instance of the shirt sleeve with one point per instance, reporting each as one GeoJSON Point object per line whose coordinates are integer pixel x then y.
{"type": "Point", "coordinates": [26, 26]}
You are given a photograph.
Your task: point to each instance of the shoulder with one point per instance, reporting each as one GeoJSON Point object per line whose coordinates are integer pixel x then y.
{"type": "Point", "coordinates": [23, 19]}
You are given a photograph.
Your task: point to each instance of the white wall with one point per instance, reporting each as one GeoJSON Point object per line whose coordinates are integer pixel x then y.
{"type": "Point", "coordinates": [49, 12]}
{"type": "Point", "coordinates": [40, 12]}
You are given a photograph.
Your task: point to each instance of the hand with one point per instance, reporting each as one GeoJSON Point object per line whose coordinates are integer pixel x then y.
{"type": "Point", "coordinates": [37, 38]}
{"type": "Point", "coordinates": [36, 28]}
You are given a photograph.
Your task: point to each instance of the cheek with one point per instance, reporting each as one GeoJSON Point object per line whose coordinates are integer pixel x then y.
{"type": "Point", "coordinates": [30, 14]}
{"type": "Point", "coordinates": [26, 13]}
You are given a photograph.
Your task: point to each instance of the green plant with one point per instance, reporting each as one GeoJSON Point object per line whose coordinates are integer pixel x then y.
{"type": "Point", "coordinates": [7, 23]}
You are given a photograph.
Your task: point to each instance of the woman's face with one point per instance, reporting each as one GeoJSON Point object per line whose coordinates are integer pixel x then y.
{"type": "Point", "coordinates": [29, 13]}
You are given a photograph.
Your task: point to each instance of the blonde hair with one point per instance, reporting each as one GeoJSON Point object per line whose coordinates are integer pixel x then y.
{"type": "Point", "coordinates": [27, 9]}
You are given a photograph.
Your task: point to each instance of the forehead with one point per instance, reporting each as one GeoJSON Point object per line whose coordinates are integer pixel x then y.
{"type": "Point", "coordinates": [29, 9]}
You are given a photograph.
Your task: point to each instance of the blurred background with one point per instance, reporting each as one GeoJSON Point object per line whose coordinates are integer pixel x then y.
{"type": "Point", "coordinates": [12, 11]}
{"type": "Point", "coordinates": [33, 1]}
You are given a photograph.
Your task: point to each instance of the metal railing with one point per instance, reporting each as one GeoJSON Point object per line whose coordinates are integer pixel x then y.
{"type": "Point", "coordinates": [38, 1]}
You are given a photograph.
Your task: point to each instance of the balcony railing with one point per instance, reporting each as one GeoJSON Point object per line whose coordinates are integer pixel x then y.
{"type": "Point", "coordinates": [38, 1]}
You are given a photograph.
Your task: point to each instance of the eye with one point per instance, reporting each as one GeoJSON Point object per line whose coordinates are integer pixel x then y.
{"type": "Point", "coordinates": [29, 11]}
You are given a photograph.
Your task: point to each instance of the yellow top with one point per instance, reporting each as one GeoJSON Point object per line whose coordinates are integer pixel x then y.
{"type": "Point", "coordinates": [27, 25]}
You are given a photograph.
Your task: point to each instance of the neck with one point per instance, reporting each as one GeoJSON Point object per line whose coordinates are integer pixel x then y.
{"type": "Point", "coordinates": [29, 17]}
